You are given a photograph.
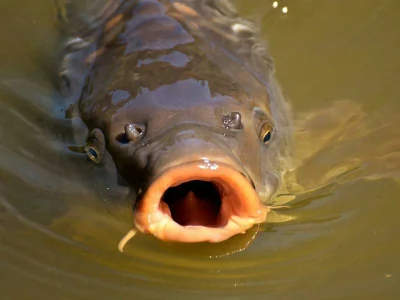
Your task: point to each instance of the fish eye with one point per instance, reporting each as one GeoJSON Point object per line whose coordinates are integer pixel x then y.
{"type": "Point", "coordinates": [95, 145]}
{"type": "Point", "coordinates": [266, 133]}
{"type": "Point", "coordinates": [93, 154]}
{"type": "Point", "coordinates": [267, 137]}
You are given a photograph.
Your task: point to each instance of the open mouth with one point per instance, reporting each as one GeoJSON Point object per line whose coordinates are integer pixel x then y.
{"type": "Point", "coordinates": [197, 203]}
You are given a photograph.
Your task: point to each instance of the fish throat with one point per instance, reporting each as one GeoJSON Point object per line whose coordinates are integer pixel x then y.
{"type": "Point", "coordinates": [196, 203]}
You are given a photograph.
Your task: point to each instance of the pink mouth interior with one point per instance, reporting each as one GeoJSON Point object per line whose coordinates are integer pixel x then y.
{"type": "Point", "coordinates": [196, 203]}
{"type": "Point", "coordinates": [191, 203]}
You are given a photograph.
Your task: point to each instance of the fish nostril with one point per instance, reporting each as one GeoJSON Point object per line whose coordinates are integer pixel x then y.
{"type": "Point", "coordinates": [122, 138]}
{"type": "Point", "coordinates": [232, 121]}
{"type": "Point", "coordinates": [133, 133]}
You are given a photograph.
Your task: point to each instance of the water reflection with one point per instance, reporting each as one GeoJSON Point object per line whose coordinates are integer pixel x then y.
{"type": "Point", "coordinates": [284, 9]}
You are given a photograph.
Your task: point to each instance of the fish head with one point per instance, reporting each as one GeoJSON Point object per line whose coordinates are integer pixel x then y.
{"type": "Point", "coordinates": [203, 166]}
{"type": "Point", "coordinates": [183, 97]}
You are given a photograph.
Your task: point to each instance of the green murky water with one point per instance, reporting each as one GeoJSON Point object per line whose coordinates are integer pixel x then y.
{"type": "Point", "coordinates": [61, 218]}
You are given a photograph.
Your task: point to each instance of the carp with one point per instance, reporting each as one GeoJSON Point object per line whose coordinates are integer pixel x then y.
{"type": "Point", "coordinates": [183, 96]}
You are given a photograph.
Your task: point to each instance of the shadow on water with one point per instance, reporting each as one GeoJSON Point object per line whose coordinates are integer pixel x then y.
{"type": "Point", "coordinates": [62, 217]}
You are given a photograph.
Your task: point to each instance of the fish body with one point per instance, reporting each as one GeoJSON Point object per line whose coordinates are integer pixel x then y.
{"type": "Point", "coordinates": [182, 94]}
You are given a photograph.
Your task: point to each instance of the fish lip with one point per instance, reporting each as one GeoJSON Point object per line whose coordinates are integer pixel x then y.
{"type": "Point", "coordinates": [242, 208]}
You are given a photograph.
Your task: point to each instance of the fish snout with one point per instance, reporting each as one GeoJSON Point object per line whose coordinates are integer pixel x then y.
{"type": "Point", "coordinates": [198, 193]}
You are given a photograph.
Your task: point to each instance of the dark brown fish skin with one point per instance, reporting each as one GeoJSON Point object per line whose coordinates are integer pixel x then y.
{"type": "Point", "coordinates": [180, 68]}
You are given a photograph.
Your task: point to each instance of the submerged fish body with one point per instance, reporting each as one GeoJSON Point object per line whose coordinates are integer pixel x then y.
{"type": "Point", "coordinates": [182, 95]}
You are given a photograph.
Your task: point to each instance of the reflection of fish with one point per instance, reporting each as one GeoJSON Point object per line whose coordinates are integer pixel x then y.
{"type": "Point", "coordinates": [182, 95]}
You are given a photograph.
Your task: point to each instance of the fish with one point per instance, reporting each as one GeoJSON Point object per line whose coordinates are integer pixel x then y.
{"type": "Point", "coordinates": [183, 96]}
